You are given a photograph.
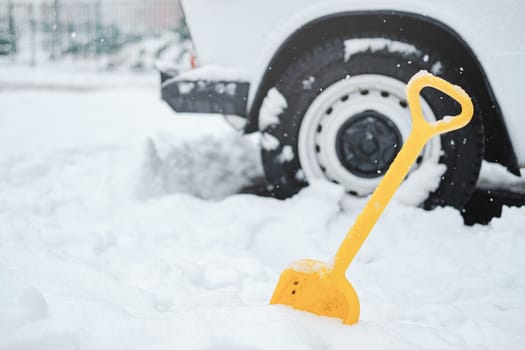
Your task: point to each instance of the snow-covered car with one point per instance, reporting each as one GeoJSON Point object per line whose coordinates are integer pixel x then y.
{"type": "Point", "coordinates": [324, 82]}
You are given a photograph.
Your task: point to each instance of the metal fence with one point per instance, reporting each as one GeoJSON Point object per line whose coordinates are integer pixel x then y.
{"type": "Point", "coordinates": [43, 31]}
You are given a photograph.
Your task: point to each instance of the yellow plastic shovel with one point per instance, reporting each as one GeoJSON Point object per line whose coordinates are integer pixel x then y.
{"type": "Point", "coordinates": [322, 288]}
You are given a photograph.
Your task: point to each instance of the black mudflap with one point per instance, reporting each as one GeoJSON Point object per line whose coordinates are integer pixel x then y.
{"type": "Point", "coordinates": [486, 204]}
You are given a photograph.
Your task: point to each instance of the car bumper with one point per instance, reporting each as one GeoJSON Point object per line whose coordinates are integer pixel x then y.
{"type": "Point", "coordinates": [189, 93]}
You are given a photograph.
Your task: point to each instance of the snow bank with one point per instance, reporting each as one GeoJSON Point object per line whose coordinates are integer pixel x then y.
{"type": "Point", "coordinates": [207, 167]}
{"type": "Point", "coordinates": [85, 263]}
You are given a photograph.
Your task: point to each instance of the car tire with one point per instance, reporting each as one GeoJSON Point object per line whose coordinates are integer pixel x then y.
{"type": "Point", "coordinates": [339, 94]}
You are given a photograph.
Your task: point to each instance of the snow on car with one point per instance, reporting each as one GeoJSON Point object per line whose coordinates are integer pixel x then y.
{"type": "Point", "coordinates": [324, 82]}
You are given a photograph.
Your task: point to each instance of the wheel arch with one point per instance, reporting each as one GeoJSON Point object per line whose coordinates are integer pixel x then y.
{"type": "Point", "coordinates": [409, 26]}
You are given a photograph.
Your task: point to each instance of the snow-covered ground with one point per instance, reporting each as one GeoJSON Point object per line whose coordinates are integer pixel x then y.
{"type": "Point", "coordinates": [120, 228]}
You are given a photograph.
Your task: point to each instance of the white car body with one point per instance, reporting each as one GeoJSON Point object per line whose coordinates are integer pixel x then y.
{"type": "Point", "coordinates": [246, 35]}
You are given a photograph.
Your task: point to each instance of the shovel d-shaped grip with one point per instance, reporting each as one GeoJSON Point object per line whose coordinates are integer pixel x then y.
{"type": "Point", "coordinates": [422, 131]}
{"type": "Point", "coordinates": [424, 79]}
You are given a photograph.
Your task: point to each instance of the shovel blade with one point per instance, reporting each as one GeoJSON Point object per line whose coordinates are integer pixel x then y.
{"type": "Point", "coordinates": [311, 286]}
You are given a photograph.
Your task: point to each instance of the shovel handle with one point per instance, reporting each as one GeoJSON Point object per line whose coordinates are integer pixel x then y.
{"type": "Point", "coordinates": [422, 131]}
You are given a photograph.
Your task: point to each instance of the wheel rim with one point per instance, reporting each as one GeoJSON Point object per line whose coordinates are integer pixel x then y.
{"type": "Point", "coordinates": [353, 130]}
